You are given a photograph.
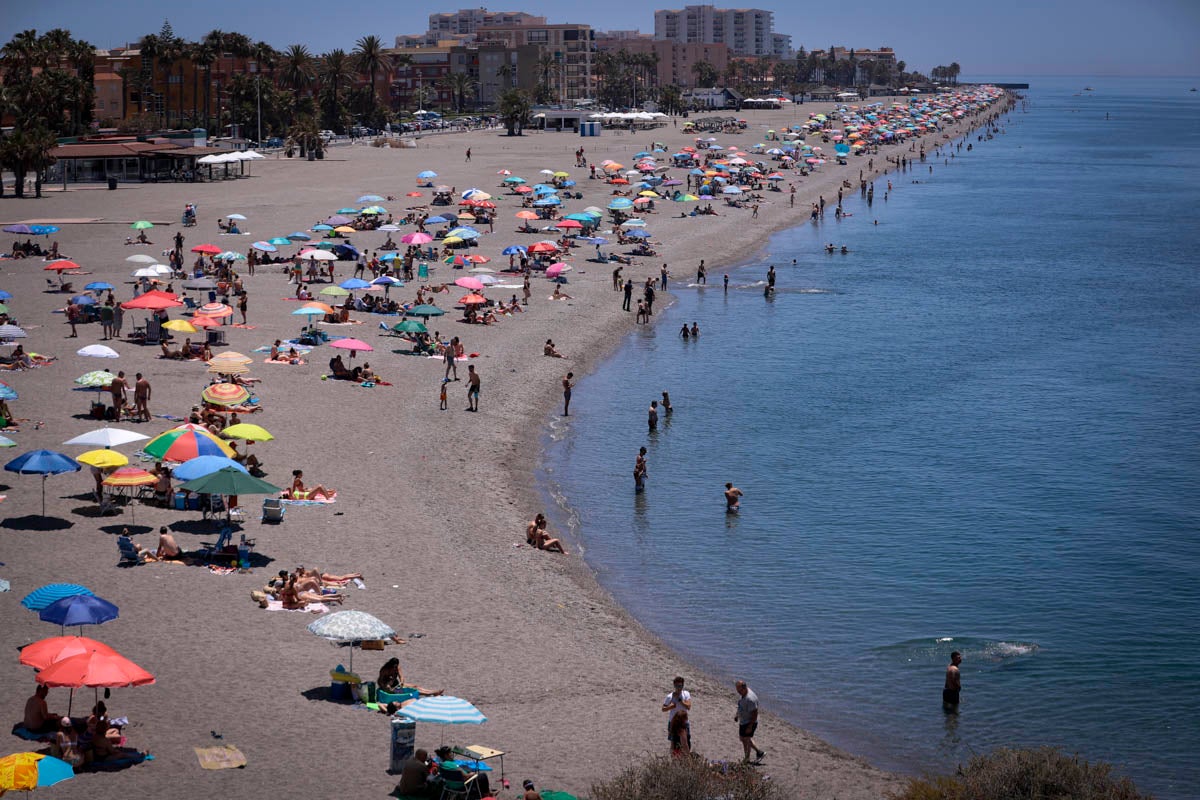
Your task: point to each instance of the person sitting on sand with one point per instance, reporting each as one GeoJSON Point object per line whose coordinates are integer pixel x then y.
{"type": "Point", "coordinates": [338, 368]}
{"type": "Point", "coordinates": [167, 547]}
{"type": "Point", "coordinates": [542, 539]}
{"type": "Point", "coordinates": [66, 742]}
{"type": "Point", "coordinates": [38, 718]}
{"type": "Point", "coordinates": [247, 460]}
{"type": "Point", "coordinates": [549, 350]}
{"type": "Point", "coordinates": [299, 492]}
{"type": "Point", "coordinates": [391, 680]}
{"type": "Point", "coordinates": [559, 294]}
{"type": "Point", "coordinates": [167, 352]}
{"type": "Point", "coordinates": [141, 238]}
{"type": "Point", "coordinates": [274, 356]}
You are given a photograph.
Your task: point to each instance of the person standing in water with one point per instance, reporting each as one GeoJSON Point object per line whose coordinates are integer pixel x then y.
{"type": "Point", "coordinates": [666, 404]}
{"type": "Point", "coordinates": [567, 383]}
{"type": "Point", "coordinates": [953, 685]}
{"type": "Point", "coordinates": [771, 278]}
{"type": "Point", "coordinates": [732, 497]}
{"type": "Point", "coordinates": [652, 416]}
{"type": "Point", "coordinates": [639, 471]}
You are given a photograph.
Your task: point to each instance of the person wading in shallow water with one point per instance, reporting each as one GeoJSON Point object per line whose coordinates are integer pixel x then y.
{"type": "Point", "coordinates": [953, 685]}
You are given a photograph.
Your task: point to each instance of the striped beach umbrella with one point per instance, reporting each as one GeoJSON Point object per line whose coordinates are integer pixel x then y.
{"type": "Point", "coordinates": [44, 596]}
{"type": "Point", "coordinates": [444, 710]}
{"type": "Point", "coordinates": [182, 444]}
{"type": "Point", "coordinates": [130, 476]}
{"type": "Point", "coordinates": [225, 394]}
{"type": "Point", "coordinates": [217, 310]}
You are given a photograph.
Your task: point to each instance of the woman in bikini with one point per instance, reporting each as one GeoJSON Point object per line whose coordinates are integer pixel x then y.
{"type": "Point", "coordinates": [298, 492]}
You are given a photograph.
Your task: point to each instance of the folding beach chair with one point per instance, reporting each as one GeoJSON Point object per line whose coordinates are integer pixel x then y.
{"type": "Point", "coordinates": [129, 553]}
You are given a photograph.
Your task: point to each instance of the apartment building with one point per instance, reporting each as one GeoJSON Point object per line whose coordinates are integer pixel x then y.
{"type": "Point", "coordinates": [569, 45]}
{"type": "Point", "coordinates": [745, 31]}
{"type": "Point", "coordinates": [675, 60]}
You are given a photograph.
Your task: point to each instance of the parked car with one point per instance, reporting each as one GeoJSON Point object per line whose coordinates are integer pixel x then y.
{"type": "Point", "coordinates": [275, 141]}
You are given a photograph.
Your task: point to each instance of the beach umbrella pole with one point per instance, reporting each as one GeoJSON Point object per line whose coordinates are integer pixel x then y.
{"type": "Point", "coordinates": [44, 494]}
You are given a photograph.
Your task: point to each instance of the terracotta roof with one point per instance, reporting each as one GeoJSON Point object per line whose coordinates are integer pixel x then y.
{"type": "Point", "coordinates": [110, 150]}
{"type": "Point", "coordinates": [197, 151]}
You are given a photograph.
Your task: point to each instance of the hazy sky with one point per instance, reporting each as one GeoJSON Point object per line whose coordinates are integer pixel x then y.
{"type": "Point", "coordinates": [1017, 37]}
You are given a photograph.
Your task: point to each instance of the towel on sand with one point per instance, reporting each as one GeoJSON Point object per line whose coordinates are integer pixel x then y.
{"type": "Point", "coordinates": [223, 757]}
{"type": "Point", "coordinates": [322, 501]}
{"type": "Point", "coordinates": [311, 608]}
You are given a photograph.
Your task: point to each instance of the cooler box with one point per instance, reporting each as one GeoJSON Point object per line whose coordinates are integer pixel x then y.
{"type": "Point", "coordinates": [180, 502]}
{"type": "Point", "coordinates": [404, 737]}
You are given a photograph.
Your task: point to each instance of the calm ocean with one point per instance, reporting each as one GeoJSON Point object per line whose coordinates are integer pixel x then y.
{"type": "Point", "coordinates": [977, 431]}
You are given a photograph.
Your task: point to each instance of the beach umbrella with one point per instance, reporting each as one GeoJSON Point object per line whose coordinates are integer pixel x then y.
{"type": "Point", "coordinates": [543, 247]}
{"type": "Point", "coordinates": [45, 652]}
{"type": "Point", "coordinates": [334, 291]}
{"type": "Point", "coordinates": [44, 463]}
{"type": "Point", "coordinates": [79, 300]}
{"type": "Point", "coordinates": [317, 255]}
{"type": "Point", "coordinates": [424, 310]}
{"type": "Point", "coordinates": [427, 175]}
{"type": "Point", "coordinates": [323, 307]}
{"type": "Point", "coordinates": [438, 220]}
{"type": "Point", "coordinates": [230, 358]}
{"type": "Point", "coordinates": [228, 369]}
{"type": "Point", "coordinates": [217, 310]}
{"type": "Point", "coordinates": [7, 392]}
{"type": "Point", "coordinates": [106, 437]}
{"type": "Point", "coordinates": [229, 481]}
{"type": "Point", "coordinates": [266, 247]}
{"type": "Point", "coordinates": [247, 431]}
{"type": "Point", "coordinates": [469, 283]}
{"type": "Point", "coordinates": [343, 229]}
{"type": "Point", "coordinates": [298, 236]}
{"type": "Point", "coordinates": [513, 250]}
{"type": "Point", "coordinates": [142, 258]}
{"type": "Point", "coordinates": [322, 227]}
{"type": "Point", "coordinates": [23, 772]}
{"type": "Point", "coordinates": [338, 219]}
{"type": "Point", "coordinates": [183, 444]}
{"type": "Point", "coordinates": [145, 272]}
{"type": "Point", "coordinates": [97, 379]}
{"type": "Point", "coordinates": [311, 311]}
{"type": "Point", "coordinates": [80, 609]}
{"type": "Point", "coordinates": [206, 249]}
{"type": "Point", "coordinates": [154, 300]}
{"type": "Point", "coordinates": [179, 326]}
{"type": "Point", "coordinates": [527, 215]}
{"type": "Point", "coordinates": [353, 345]}
{"type": "Point", "coordinates": [201, 321]}
{"type": "Point", "coordinates": [61, 265]}
{"type": "Point", "coordinates": [200, 283]}
{"type": "Point", "coordinates": [554, 270]}
{"type": "Point", "coordinates": [442, 709]}
{"type": "Point", "coordinates": [7, 296]}
{"type": "Point", "coordinates": [569, 224]}
{"type": "Point", "coordinates": [387, 281]}
{"type": "Point", "coordinates": [352, 628]}
{"type": "Point", "coordinates": [225, 394]}
{"type": "Point", "coordinates": [95, 670]}
{"type": "Point", "coordinates": [410, 326]}
{"type": "Point", "coordinates": [41, 597]}
{"type": "Point", "coordinates": [123, 477]}
{"type": "Point", "coordinates": [97, 351]}
{"type": "Point", "coordinates": [142, 225]}
{"type": "Point", "coordinates": [10, 331]}
{"type": "Point", "coordinates": [205, 465]}
{"type": "Point", "coordinates": [102, 459]}
{"type": "Point", "coordinates": [235, 216]}
{"type": "Point", "coordinates": [472, 300]}
{"type": "Point", "coordinates": [354, 283]}
{"type": "Point", "coordinates": [280, 241]}
{"type": "Point", "coordinates": [370, 198]}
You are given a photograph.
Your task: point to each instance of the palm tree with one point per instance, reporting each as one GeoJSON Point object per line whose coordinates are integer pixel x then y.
{"type": "Point", "coordinates": [336, 71]}
{"type": "Point", "coordinates": [369, 58]}
{"type": "Point", "coordinates": [151, 47]}
{"type": "Point", "coordinates": [505, 72]}
{"type": "Point", "coordinates": [706, 73]}
{"type": "Point", "coordinates": [955, 69]}
{"type": "Point", "coordinates": [26, 150]}
{"type": "Point", "coordinates": [460, 85]}
{"type": "Point", "coordinates": [298, 68]}
{"type": "Point", "coordinates": [514, 107]}
{"type": "Point", "coordinates": [548, 70]}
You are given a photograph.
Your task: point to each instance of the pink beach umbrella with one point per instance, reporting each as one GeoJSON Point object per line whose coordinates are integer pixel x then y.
{"type": "Point", "coordinates": [554, 270]}
{"type": "Point", "coordinates": [416, 238]}
{"type": "Point", "coordinates": [353, 345]}
{"type": "Point", "coordinates": [470, 283]}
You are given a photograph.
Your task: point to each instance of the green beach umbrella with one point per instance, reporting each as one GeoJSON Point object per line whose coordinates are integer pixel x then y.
{"type": "Point", "coordinates": [410, 326]}
{"type": "Point", "coordinates": [334, 291]}
{"type": "Point", "coordinates": [141, 225]}
{"type": "Point", "coordinates": [229, 480]}
{"type": "Point", "coordinates": [425, 311]}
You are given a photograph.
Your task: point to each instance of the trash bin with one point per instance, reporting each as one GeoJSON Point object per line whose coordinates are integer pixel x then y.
{"type": "Point", "coordinates": [112, 183]}
{"type": "Point", "coordinates": [404, 737]}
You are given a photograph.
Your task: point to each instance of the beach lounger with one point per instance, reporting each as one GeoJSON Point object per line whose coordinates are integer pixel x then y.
{"type": "Point", "coordinates": [457, 785]}
{"type": "Point", "coordinates": [129, 553]}
{"type": "Point", "coordinates": [272, 510]}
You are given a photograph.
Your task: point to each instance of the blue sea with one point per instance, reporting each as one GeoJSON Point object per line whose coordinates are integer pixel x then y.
{"type": "Point", "coordinates": [979, 430]}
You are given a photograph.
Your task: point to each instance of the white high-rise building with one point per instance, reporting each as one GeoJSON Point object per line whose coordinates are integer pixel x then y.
{"type": "Point", "coordinates": [745, 31]}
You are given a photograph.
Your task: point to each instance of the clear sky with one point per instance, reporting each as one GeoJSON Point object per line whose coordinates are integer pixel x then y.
{"type": "Point", "coordinates": [1013, 37]}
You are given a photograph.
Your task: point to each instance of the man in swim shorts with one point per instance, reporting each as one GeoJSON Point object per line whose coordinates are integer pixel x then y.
{"type": "Point", "coordinates": [953, 685]}
{"type": "Point", "coordinates": [472, 388]}
{"type": "Point", "coordinates": [732, 493]}
{"type": "Point", "coordinates": [747, 719]}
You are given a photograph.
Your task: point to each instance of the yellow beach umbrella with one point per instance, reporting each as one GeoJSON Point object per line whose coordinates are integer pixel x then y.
{"type": "Point", "coordinates": [452, 240]}
{"type": "Point", "coordinates": [344, 229]}
{"type": "Point", "coordinates": [179, 326]}
{"type": "Point", "coordinates": [247, 431]}
{"type": "Point", "coordinates": [561, 174]}
{"type": "Point", "coordinates": [230, 357]}
{"type": "Point", "coordinates": [648, 193]}
{"type": "Point", "coordinates": [102, 459]}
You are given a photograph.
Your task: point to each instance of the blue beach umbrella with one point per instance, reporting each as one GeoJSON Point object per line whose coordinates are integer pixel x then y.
{"type": "Point", "coordinates": [200, 466]}
{"type": "Point", "coordinates": [7, 392]}
{"type": "Point", "coordinates": [638, 234]}
{"type": "Point", "coordinates": [465, 233]}
{"type": "Point", "coordinates": [347, 211]}
{"type": "Point", "coordinates": [99, 286]}
{"type": "Point", "coordinates": [386, 280]}
{"type": "Point", "coordinates": [43, 230]}
{"type": "Point", "coordinates": [514, 250]}
{"type": "Point", "coordinates": [50, 593]}
{"type": "Point", "coordinates": [279, 241]}
{"type": "Point", "coordinates": [620, 203]}
{"type": "Point", "coordinates": [4, 295]}
{"type": "Point", "coordinates": [19, 228]}
{"type": "Point", "coordinates": [44, 463]}
{"type": "Point", "coordinates": [79, 609]}
{"type": "Point", "coordinates": [308, 312]}
{"type": "Point", "coordinates": [548, 200]}
{"type": "Point", "coordinates": [354, 283]}
{"type": "Point", "coordinates": [83, 300]}
{"type": "Point", "coordinates": [427, 175]}
{"type": "Point", "coordinates": [370, 198]}
{"type": "Point", "coordinates": [299, 236]}
{"type": "Point", "coordinates": [388, 257]}
{"type": "Point", "coordinates": [444, 710]}
{"type": "Point", "coordinates": [438, 220]}
{"type": "Point", "coordinates": [321, 227]}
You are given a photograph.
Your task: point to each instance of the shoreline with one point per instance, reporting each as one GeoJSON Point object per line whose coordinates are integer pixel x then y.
{"type": "Point", "coordinates": [562, 662]}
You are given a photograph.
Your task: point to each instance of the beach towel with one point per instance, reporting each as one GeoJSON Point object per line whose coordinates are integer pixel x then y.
{"type": "Point", "coordinates": [342, 324]}
{"type": "Point", "coordinates": [311, 608]}
{"type": "Point", "coordinates": [246, 327]}
{"type": "Point", "coordinates": [19, 730]}
{"type": "Point", "coordinates": [126, 759]}
{"type": "Point", "coordinates": [223, 757]}
{"type": "Point", "coordinates": [316, 502]}
{"type": "Point", "coordinates": [218, 570]}
{"type": "Point", "coordinates": [300, 362]}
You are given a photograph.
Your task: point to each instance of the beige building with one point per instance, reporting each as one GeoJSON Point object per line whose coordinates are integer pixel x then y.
{"type": "Point", "coordinates": [570, 47]}
{"type": "Point", "coordinates": [745, 31]}
{"type": "Point", "coordinates": [675, 60]}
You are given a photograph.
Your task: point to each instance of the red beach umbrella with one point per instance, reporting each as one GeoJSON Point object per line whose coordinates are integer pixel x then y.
{"type": "Point", "coordinates": [154, 300]}
{"type": "Point", "coordinates": [95, 669]}
{"type": "Point", "coordinates": [472, 300]}
{"type": "Point", "coordinates": [61, 265]}
{"type": "Point", "coordinates": [207, 249]}
{"type": "Point", "coordinates": [41, 655]}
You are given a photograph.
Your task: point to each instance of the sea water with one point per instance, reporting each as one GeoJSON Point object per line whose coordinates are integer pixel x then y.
{"type": "Point", "coordinates": [979, 430]}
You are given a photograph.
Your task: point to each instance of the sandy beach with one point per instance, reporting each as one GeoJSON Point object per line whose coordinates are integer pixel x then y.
{"type": "Point", "coordinates": [431, 508]}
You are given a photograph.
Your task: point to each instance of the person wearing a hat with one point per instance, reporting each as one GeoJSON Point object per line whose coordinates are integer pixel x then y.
{"type": "Point", "coordinates": [530, 792]}
{"type": "Point", "coordinates": [67, 743]}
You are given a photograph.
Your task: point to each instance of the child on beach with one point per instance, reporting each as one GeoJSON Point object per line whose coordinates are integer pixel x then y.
{"type": "Point", "coordinates": [442, 406]}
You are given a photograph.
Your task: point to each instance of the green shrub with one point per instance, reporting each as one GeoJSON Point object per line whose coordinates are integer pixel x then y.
{"type": "Point", "coordinates": [666, 778]}
{"type": "Point", "coordinates": [1042, 774]}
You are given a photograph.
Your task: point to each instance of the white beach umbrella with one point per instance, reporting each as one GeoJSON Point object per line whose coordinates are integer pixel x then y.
{"type": "Point", "coordinates": [318, 255]}
{"type": "Point", "coordinates": [98, 351]}
{"type": "Point", "coordinates": [142, 258]}
{"type": "Point", "coordinates": [145, 272]}
{"type": "Point", "coordinates": [106, 437]}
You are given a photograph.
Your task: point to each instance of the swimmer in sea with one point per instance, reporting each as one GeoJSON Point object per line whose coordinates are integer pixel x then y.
{"type": "Point", "coordinates": [639, 471]}
{"type": "Point", "coordinates": [732, 495]}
